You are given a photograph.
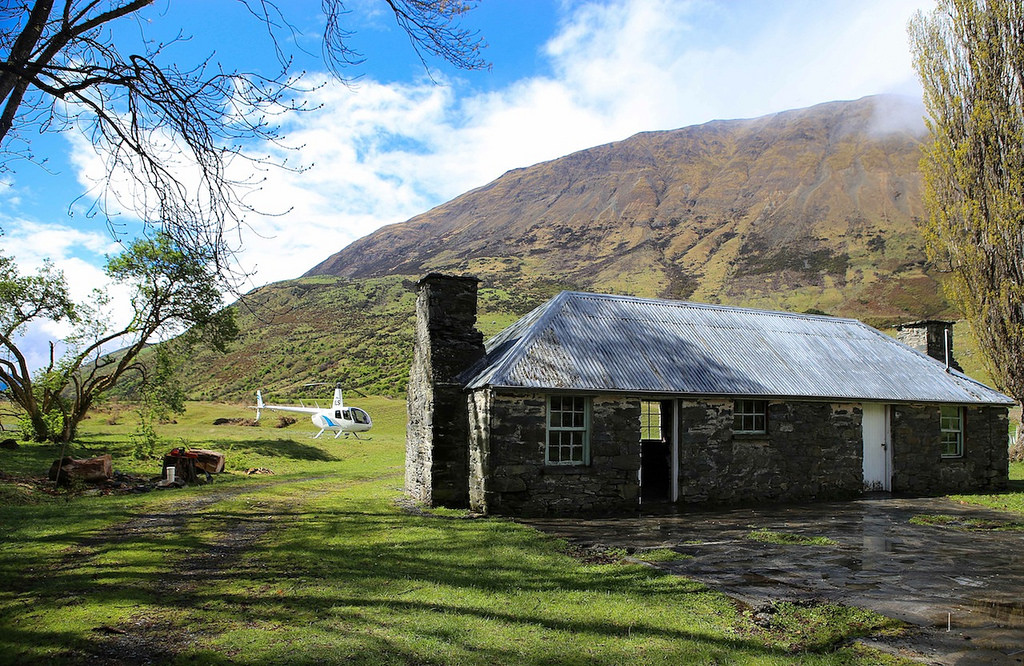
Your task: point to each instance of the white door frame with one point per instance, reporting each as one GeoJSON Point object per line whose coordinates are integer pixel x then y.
{"type": "Point", "coordinates": [677, 403]}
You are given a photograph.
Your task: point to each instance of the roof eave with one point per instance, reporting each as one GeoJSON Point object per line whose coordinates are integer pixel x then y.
{"type": "Point", "coordinates": [1009, 402]}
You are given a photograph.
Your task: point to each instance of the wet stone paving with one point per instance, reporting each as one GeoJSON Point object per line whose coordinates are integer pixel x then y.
{"type": "Point", "coordinates": [963, 590]}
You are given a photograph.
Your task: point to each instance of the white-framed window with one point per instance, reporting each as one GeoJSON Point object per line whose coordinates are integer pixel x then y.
{"type": "Point", "coordinates": [750, 416]}
{"type": "Point", "coordinates": [568, 430]}
{"type": "Point", "coordinates": [951, 420]}
{"type": "Point", "coordinates": [650, 420]}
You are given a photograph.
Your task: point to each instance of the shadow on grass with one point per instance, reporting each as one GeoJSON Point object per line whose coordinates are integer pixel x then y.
{"type": "Point", "coordinates": [284, 448]}
{"type": "Point", "coordinates": [364, 582]}
{"type": "Point", "coordinates": [280, 448]}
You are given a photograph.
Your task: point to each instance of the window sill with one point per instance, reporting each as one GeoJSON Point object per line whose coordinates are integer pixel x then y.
{"type": "Point", "coordinates": [565, 469]}
{"type": "Point", "coordinates": [750, 436]}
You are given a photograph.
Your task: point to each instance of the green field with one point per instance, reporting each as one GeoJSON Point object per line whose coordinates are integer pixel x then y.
{"type": "Point", "coordinates": [321, 562]}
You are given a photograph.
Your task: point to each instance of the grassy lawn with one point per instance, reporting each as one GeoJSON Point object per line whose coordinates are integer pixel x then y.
{"type": "Point", "coordinates": [320, 562]}
{"type": "Point", "coordinates": [786, 538]}
{"type": "Point", "coordinates": [1011, 500]}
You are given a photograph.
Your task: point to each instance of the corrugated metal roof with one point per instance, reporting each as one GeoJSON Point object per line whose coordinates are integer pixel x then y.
{"type": "Point", "coordinates": [598, 342]}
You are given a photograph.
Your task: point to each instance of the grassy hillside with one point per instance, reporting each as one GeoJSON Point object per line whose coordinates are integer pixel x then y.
{"type": "Point", "coordinates": [328, 329]}
{"type": "Point", "coordinates": [360, 331]}
{"type": "Point", "coordinates": [807, 210]}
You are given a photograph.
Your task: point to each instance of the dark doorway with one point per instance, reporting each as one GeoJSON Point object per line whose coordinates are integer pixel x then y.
{"type": "Point", "coordinates": [655, 451]}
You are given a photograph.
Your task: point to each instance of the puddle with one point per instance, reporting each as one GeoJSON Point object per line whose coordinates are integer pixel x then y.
{"type": "Point", "coordinates": [874, 544]}
{"type": "Point", "coordinates": [1007, 613]}
{"type": "Point", "coordinates": [861, 587]}
{"type": "Point", "coordinates": [851, 563]}
{"type": "Point", "coordinates": [758, 579]}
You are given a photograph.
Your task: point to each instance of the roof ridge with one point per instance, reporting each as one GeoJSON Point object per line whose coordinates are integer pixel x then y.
{"type": "Point", "coordinates": [671, 302]}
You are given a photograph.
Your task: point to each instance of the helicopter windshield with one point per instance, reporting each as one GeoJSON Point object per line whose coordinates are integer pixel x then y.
{"type": "Point", "coordinates": [359, 416]}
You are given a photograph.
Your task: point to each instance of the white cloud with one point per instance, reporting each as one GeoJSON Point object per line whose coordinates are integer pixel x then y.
{"type": "Point", "coordinates": [74, 252]}
{"type": "Point", "coordinates": [382, 153]}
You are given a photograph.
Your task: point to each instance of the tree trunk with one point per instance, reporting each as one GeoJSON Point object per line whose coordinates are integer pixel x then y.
{"type": "Point", "coordinates": [39, 430]}
{"type": "Point", "coordinates": [1017, 447]}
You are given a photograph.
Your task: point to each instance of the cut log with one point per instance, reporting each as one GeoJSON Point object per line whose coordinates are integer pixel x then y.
{"type": "Point", "coordinates": [89, 470]}
{"type": "Point", "coordinates": [209, 461]}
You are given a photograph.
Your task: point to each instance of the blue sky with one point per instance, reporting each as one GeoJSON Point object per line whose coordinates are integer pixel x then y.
{"type": "Point", "coordinates": [565, 75]}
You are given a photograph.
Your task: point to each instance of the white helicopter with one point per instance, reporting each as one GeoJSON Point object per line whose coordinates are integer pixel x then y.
{"type": "Point", "coordinates": [339, 419]}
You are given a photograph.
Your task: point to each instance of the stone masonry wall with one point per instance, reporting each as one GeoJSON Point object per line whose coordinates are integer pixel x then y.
{"type": "Point", "coordinates": [507, 458]}
{"type": "Point", "coordinates": [810, 451]}
{"type": "Point", "coordinates": [918, 465]}
{"type": "Point", "coordinates": [446, 343]}
{"type": "Point", "coordinates": [930, 337]}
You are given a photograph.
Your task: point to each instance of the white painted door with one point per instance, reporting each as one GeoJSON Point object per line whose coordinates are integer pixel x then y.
{"type": "Point", "coordinates": [877, 447]}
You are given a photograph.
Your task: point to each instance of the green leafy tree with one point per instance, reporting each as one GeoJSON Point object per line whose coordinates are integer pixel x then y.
{"type": "Point", "coordinates": [173, 291]}
{"type": "Point", "coordinates": [24, 299]}
{"type": "Point", "coordinates": [969, 55]}
{"type": "Point", "coordinates": [162, 397]}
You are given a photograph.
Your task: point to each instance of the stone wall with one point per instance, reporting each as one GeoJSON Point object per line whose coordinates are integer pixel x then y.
{"type": "Point", "coordinates": [509, 476]}
{"type": "Point", "coordinates": [446, 343]}
{"type": "Point", "coordinates": [810, 451]}
{"type": "Point", "coordinates": [932, 337]}
{"type": "Point", "coordinates": [918, 465]}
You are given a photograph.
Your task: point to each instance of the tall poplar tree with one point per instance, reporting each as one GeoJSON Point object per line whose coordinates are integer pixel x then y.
{"type": "Point", "coordinates": [969, 55]}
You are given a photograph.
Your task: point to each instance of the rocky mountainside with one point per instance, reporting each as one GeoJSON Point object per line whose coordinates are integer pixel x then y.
{"type": "Point", "coordinates": [808, 209]}
{"type": "Point", "coordinates": [814, 209]}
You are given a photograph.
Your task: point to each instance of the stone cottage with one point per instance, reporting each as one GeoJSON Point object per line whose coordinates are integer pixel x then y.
{"type": "Point", "coordinates": [595, 403]}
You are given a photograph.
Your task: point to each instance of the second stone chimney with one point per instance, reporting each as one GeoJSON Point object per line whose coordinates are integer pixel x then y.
{"type": "Point", "coordinates": [446, 343]}
{"type": "Point", "coordinates": [933, 337]}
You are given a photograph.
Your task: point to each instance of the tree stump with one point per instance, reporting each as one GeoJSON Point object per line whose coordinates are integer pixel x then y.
{"type": "Point", "coordinates": [184, 468]}
{"type": "Point", "coordinates": [90, 470]}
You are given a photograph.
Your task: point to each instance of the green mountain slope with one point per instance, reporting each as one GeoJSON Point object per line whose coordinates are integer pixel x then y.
{"type": "Point", "coordinates": [328, 329]}
{"type": "Point", "coordinates": [809, 209]}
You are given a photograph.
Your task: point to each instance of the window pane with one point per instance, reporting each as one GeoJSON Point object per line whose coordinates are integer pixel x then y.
{"type": "Point", "coordinates": [750, 416]}
{"type": "Point", "coordinates": [567, 430]}
{"type": "Point", "coordinates": [952, 427]}
{"type": "Point", "coordinates": [650, 420]}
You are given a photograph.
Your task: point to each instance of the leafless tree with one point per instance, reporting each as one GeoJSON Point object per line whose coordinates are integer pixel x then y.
{"type": "Point", "coordinates": [62, 69]}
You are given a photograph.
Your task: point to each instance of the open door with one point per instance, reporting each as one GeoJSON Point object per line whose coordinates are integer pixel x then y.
{"type": "Point", "coordinates": [656, 451]}
{"type": "Point", "coordinates": [877, 448]}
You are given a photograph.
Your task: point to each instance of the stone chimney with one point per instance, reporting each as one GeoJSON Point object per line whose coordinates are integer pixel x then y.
{"type": "Point", "coordinates": [930, 336]}
{"type": "Point", "coordinates": [446, 343]}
